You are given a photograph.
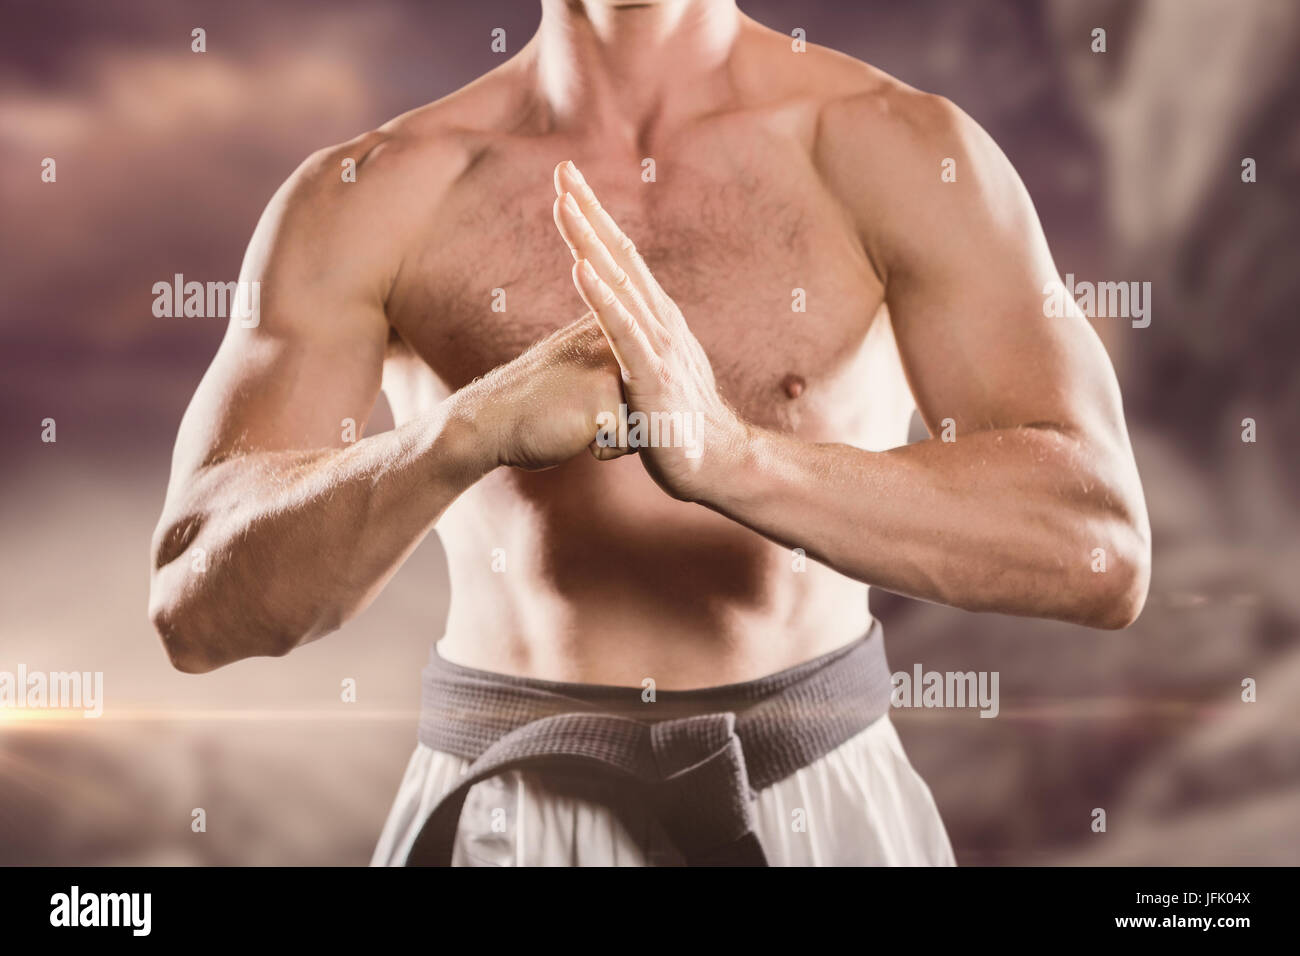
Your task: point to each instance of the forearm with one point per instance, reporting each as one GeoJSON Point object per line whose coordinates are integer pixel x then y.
{"type": "Point", "coordinates": [1004, 520]}
{"type": "Point", "coordinates": [266, 550]}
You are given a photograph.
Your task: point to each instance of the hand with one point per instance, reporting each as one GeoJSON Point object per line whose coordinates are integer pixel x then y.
{"type": "Point", "coordinates": [689, 435]}
{"type": "Point", "coordinates": [542, 408]}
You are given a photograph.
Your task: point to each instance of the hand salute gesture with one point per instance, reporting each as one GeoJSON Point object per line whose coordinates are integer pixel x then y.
{"type": "Point", "coordinates": [667, 377]}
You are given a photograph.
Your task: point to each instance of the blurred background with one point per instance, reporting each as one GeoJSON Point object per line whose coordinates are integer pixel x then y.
{"type": "Point", "coordinates": [165, 159]}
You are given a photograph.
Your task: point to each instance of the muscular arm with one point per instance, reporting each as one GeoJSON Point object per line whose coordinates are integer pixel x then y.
{"type": "Point", "coordinates": [1006, 517]}
{"type": "Point", "coordinates": [1009, 515]}
{"type": "Point", "coordinates": [276, 529]}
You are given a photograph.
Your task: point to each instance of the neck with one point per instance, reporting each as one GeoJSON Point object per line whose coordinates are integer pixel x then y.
{"type": "Point", "coordinates": [623, 69]}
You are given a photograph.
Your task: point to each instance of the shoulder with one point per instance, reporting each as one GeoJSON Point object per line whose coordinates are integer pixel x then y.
{"type": "Point", "coordinates": [356, 205]}
{"type": "Point", "coordinates": [873, 120]}
{"type": "Point", "coordinates": [853, 101]}
{"type": "Point", "coordinates": [912, 167]}
{"type": "Point", "coordinates": [397, 170]}
{"type": "Point", "coordinates": [873, 137]}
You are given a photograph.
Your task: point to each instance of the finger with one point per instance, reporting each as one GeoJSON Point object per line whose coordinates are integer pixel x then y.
{"type": "Point", "coordinates": [622, 248]}
{"type": "Point", "coordinates": [581, 238]}
{"type": "Point", "coordinates": [627, 340]}
{"type": "Point", "coordinates": [587, 246]}
{"type": "Point", "coordinates": [608, 452]}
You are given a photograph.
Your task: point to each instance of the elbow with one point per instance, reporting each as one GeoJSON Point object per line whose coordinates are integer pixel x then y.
{"type": "Point", "coordinates": [1124, 602]}
{"type": "Point", "coordinates": [197, 639]}
{"type": "Point", "coordinates": [173, 602]}
{"type": "Point", "coordinates": [205, 619]}
{"type": "Point", "coordinates": [195, 645]}
{"type": "Point", "coordinates": [1119, 578]}
{"type": "Point", "coordinates": [187, 651]}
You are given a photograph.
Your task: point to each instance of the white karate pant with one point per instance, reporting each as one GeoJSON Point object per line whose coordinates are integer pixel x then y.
{"type": "Point", "coordinates": [862, 804]}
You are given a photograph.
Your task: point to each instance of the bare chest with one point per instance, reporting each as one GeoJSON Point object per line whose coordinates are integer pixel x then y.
{"type": "Point", "coordinates": [760, 260]}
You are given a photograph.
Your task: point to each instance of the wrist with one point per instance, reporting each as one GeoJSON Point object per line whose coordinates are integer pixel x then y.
{"type": "Point", "coordinates": [728, 462]}
{"type": "Point", "coordinates": [466, 437]}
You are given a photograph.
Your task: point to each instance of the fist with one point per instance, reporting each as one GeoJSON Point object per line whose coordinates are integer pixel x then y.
{"type": "Point", "coordinates": [546, 406]}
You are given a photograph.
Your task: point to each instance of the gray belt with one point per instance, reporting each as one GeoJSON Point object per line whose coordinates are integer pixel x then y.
{"type": "Point", "coordinates": [697, 758]}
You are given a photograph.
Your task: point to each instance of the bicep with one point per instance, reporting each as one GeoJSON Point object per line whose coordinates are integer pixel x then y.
{"type": "Point", "coordinates": [312, 361]}
{"type": "Point", "coordinates": [968, 296]}
{"type": "Point", "coordinates": [977, 348]}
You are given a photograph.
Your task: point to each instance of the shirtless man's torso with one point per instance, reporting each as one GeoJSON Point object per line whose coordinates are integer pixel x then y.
{"type": "Point", "coordinates": [794, 207]}
{"type": "Point", "coordinates": [608, 579]}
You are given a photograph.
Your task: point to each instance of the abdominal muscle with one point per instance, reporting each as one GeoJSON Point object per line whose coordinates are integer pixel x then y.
{"type": "Point", "coordinates": [590, 573]}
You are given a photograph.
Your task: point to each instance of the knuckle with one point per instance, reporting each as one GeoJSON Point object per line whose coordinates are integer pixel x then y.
{"type": "Point", "coordinates": [662, 373]}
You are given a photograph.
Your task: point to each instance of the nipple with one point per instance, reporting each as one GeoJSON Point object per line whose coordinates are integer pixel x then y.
{"type": "Point", "coordinates": [792, 385]}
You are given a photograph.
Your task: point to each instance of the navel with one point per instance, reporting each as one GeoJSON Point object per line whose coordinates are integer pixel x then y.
{"type": "Point", "coordinates": [792, 385]}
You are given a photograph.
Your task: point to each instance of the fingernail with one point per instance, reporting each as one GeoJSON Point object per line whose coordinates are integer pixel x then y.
{"type": "Point", "coordinates": [573, 171]}
{"type": "Point", "coordinates": [570, 203]}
